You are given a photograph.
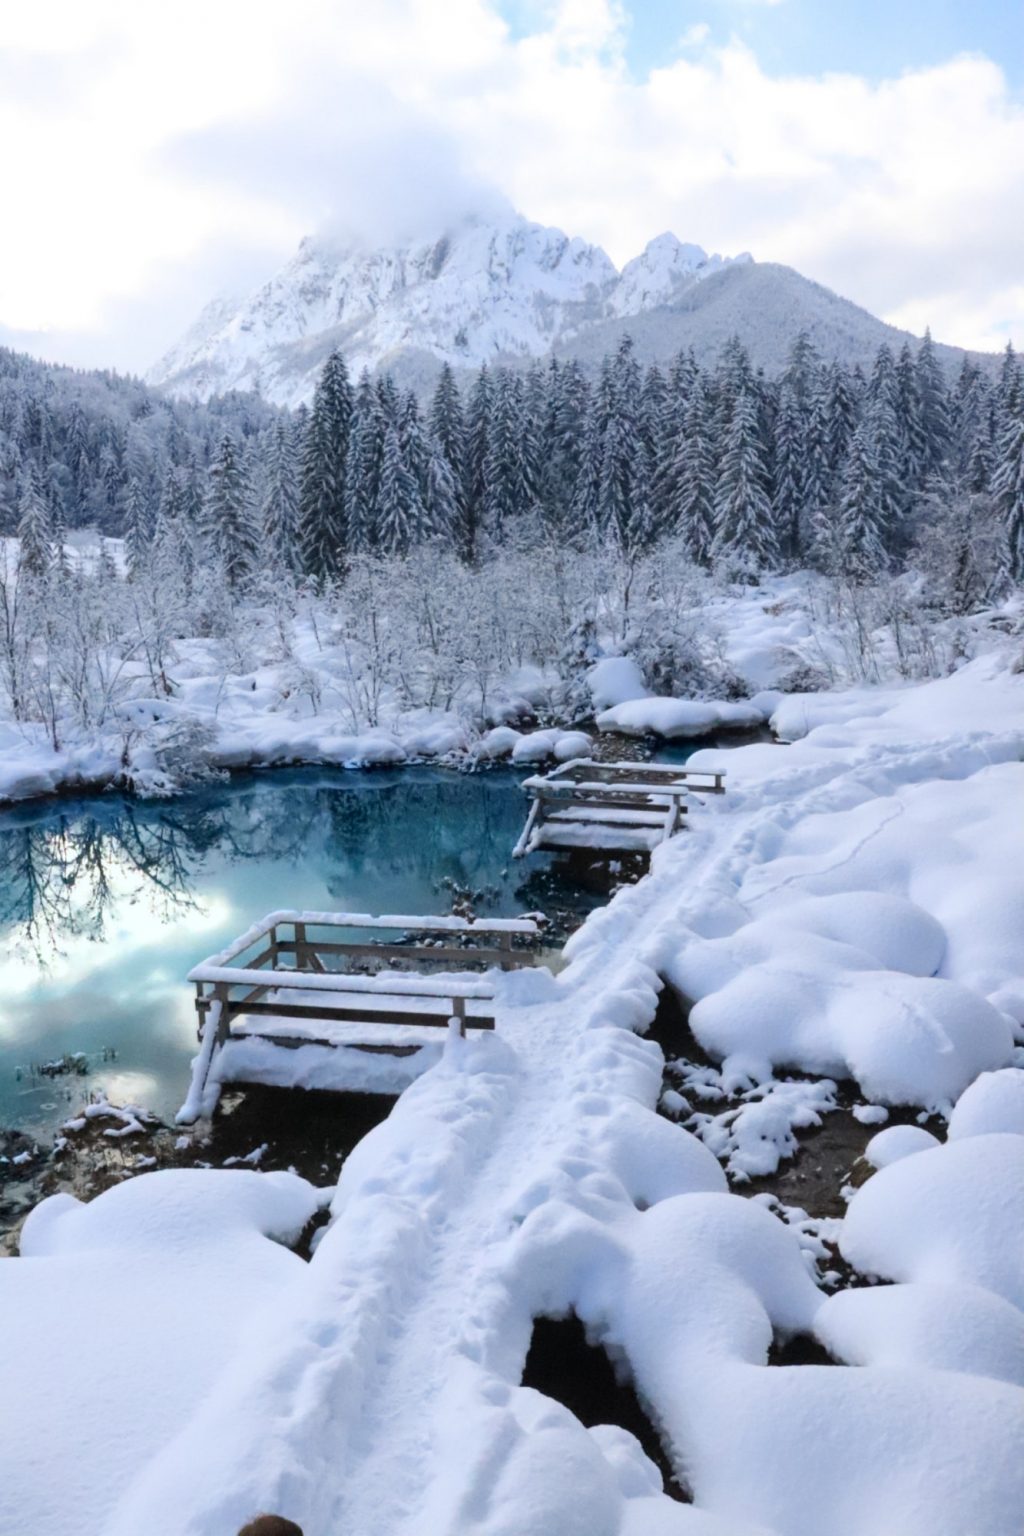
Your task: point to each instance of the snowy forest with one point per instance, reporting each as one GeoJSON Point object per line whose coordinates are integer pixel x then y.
{"type": "Point", "coordinates": [443, 543]}
{"type": "Point", "coordinates": [823, 467]}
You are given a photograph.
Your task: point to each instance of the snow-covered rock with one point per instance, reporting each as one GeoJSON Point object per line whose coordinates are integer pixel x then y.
{"type": "Point", "coordinates": [993, 1102]}
{"type": "Point", "coordinates": [615, 680]}
{"type": "Point", "coordinates": [898, 1141]}
{"type": "Point", "coordinates": [675, 719]}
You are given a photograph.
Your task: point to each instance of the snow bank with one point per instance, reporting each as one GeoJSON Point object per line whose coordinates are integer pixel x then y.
{"type": "Point", "coordinates": [128, 1309]}
{"type": "Point", "coordinates": [561, 745]}
{"type": "Point", "coordinates": [675, 719]}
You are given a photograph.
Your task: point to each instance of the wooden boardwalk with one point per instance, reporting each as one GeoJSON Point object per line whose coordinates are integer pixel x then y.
{"type": "Point", "coordinates": [613, 806]}
{"type": "Point", "coordinates": [308, 985]}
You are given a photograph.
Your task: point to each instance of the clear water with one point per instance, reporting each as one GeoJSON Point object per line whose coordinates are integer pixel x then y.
{"type": "Point", "coordinates": [106, 903]}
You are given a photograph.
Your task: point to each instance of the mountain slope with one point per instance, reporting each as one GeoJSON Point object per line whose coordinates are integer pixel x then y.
{"type": "Point", "coordinates": [504, 291]}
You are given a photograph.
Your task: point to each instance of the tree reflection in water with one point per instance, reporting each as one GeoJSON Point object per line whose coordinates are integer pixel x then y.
{"type": "Point", "coordinates": [65, 867]}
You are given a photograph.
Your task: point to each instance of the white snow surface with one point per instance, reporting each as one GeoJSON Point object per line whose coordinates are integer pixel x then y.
{"type": "Point", "coordinates": [678, 718]}
{"type": "Point", "coordinates": [839, 910]}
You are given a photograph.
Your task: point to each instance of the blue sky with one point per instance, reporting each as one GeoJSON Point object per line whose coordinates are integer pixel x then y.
{"type": "Point", "coordinates": [873, 38]}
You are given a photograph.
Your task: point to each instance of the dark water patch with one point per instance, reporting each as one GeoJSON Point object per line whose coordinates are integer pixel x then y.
{"type": "Point", "coordinates": [564, 1365]}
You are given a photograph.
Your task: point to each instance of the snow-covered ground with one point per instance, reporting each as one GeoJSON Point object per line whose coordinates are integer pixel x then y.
{"type": "Point", "coordinates": [303, 684]}
{"type": "Point", "coordinates": [852, 908]}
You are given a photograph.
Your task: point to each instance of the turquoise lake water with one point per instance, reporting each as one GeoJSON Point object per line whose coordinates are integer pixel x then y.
{"type": "Point", "coordinates": [105, 904]}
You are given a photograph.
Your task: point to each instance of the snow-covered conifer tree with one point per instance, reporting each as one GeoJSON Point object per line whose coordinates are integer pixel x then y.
{"type": "Point", "coordinates": [280, 508]}
{"type": "Point", "coordinates": [137, 531]}
{"type": "Point", "coordinates": [400, 515]}
{"type": "Point", "coordinates": [362, 465]}
{"type": "Point", "coordinates": [1008, 489]}
{"type": "Point", "coordinates": [477, 439]}
{"type": "Point", "coordinates": [323, 525]}
{"type": "Point", "coordinates": [696, 506]}
{"type": "Point", "coordinates": [506, 491]}
{"type": "Point", "coordinates": [745, 536]}
{"type": "Point", "coordinates": [441, 506]}
{"type": "Point", "coordinates": [788, 499]}
{"type": "Point", "coordinates": [34, 531]}
{"type": "Point", "coordinates": [861, 519]}
{"type": "Point", "coordinates": [229, 516]}
{"type": "Point", "coordinates": [843, 412]}
{"type": "Point", "coordinates": [933, 397]}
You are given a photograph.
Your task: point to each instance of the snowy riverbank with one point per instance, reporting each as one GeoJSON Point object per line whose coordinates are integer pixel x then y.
{"type": "Point", "coordinates": [851, 908]}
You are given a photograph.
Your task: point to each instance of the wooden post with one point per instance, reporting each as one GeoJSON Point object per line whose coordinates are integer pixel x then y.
{"type": "Point", "coordinates": [220, 995]}
{"type": "Point", "coordinates": [301, 948]}
{"type": "Point", "coordinates": [459, 1012]}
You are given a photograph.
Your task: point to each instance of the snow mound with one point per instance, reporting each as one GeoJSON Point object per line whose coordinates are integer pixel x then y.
{"type": "Point", "coordinates": [898, 1141]}
{"type": "Point", "coordinates": [994, 1102]}
{"type": "Point", "coordinates": [615, 680]}
{"type": "Point", "coordinates": [675, 719]}
{"type": "Point", "coordinates": [944, 1327]}
{"type": "Point", "coordinates": [128, 1309]}
{"type": "Point", "coordinates": [952, 1213]}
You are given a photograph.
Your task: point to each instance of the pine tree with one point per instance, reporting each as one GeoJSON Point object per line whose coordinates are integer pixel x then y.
{"type": "Point", "coordinates": [788, 499]}
{"type": "Point", "coordinates": [934, 402]}
{"type": "Point", "coordinates": [861, 522]}
{"type": "Point", "coordinates": [506, 491]}
{"type": "Point", "coordinates": [400, 511]}
{"type": "Point", "coordinates": [1008, 490]}
{"type": "Point", "coordinates": [229, 518]}
{"type": "Point", "coordinates": [800, 373]}
{"type": "Point", "coordinates": [696, 520]}
{"type": "Point", "coordinates": [323, 523]}
{"type": "Point", "coordinates": [441, 509]}
{"type": "Point", "coordinates": [745, 536]}
{"type": "Point", "coordinates": [448, 438]}
{"type": "Point", "coordinates": [137, 531]}
{"type": "Point", "coordinates": [884, 441]}
{"type": "Point", "coordinates": [569, 409]}
{"type": "Point", "coordinates": [818, 480]}
{"type": "Point", "coordinates": [280, 508]}
{"type": "Point", "coordinates": [843, 412]}
{"type": "Point", "coordinates": [478, 428]}
{"type": "Point", "coordinates": [34, 532]}
{"type": "Point", "coordinates": [363, 465]}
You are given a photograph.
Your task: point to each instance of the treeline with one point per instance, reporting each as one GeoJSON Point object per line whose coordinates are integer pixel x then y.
{"type": "Point", "coordinates": [87, 442]}
{"type": "Point", "coordinates": [856, 474]}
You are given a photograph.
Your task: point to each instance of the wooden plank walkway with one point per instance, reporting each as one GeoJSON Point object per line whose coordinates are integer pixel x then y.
{"type": "Point", "coordinates": [307, 985]}
{"type": "Point", "coordinates": [613, 806]}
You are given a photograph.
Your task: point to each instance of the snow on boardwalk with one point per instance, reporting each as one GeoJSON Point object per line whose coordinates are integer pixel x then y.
{"type": "Point", "coordinates": [857, 877]}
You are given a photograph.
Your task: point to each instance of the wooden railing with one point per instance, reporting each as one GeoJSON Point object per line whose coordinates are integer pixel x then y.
{"type": "Point", "coordinates": [295, 976]}
{"type": "Point", "coordinates": [584, 792]}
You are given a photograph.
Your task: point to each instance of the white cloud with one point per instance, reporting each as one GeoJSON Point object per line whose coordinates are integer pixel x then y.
{"type": "Point", "coordinates": [160, 148]}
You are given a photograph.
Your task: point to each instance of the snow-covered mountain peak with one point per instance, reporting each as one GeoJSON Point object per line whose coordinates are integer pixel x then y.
{"type": "Point", "coordinates": [665, 266]}
{"type": "Point", "coordinates": [487, 288]}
